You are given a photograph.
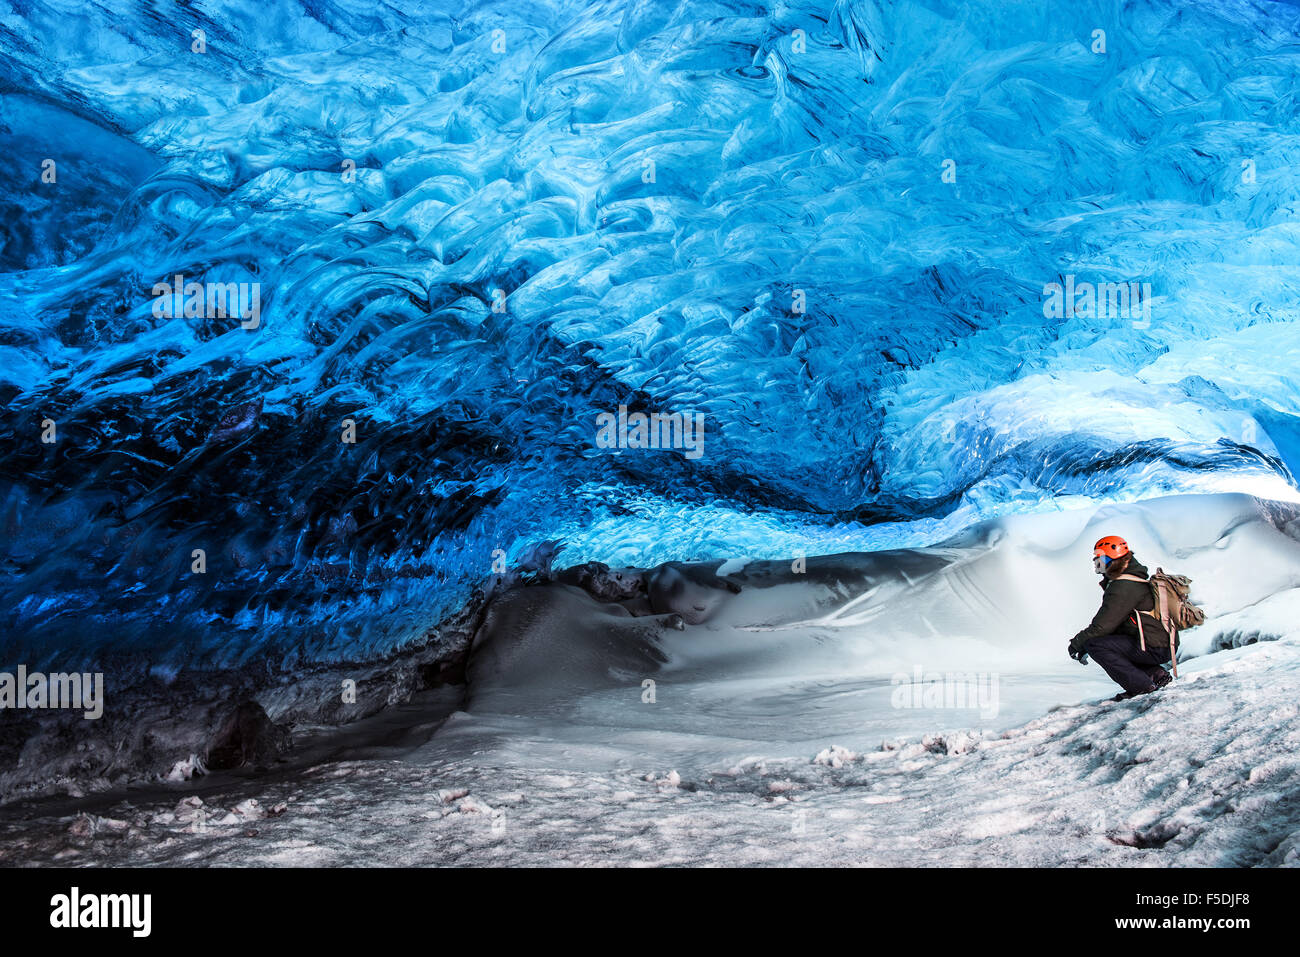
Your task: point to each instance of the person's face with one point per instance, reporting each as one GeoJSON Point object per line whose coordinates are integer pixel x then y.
{"type": "Point", "coordinates": [1099, 564]}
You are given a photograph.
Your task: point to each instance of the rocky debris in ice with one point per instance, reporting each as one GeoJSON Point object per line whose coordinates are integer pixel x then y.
{"type": "Point", "coordinates": [86, 826]}
{"type": "Point", "coordinates": [188, 808]}
{"type": "Point", "coordinates": [193, 816]}
{"type": "Point", "coordinates": [447, 795]}
{"type": "Point", "coordinates": [250, 810]}
{"type": "Point", "coordinates": [191, 767]}
{"type": "Point", "coordinates": [745, 765]}
{"type": "Point", "coordinates": [835, 756]}
{"type": "Point", "coordinates": [192, 813]}
{"type": "Point", "coordinates": [961, 742]}
{"type": "Point", "coordinates": [470, 806]}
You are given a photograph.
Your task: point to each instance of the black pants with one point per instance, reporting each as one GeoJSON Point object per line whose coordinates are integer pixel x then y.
{"type": "Point", "coordinates": [1128, 665]}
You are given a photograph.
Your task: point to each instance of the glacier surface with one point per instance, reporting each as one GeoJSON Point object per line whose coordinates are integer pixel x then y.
{"type": "Point", "coordinates": [775, 733]}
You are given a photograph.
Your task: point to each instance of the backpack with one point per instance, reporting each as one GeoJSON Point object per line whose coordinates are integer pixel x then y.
{"type": "Point", "coordinates": [1174, 608]}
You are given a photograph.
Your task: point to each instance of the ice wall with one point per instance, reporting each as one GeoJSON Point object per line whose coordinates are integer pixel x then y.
{"type": "Point", "coordinates": [474, 228]}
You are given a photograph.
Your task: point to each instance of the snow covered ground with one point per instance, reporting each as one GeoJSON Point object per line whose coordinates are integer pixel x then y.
{"type": "Point", "coordinates": [1206, 773]}
{"type": "Point", "coordinates": [788, 730]}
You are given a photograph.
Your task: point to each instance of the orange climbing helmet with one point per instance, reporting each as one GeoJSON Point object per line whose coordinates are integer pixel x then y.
{"type": "Point", "coordinates": [1112, 547]}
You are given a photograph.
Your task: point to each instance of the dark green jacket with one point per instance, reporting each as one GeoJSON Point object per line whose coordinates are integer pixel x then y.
{"type": "Point", "coordinates": [1121, 601]}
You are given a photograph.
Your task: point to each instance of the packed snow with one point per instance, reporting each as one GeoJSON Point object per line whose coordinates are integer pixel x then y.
{"type": "Point", "coordinates": [798, 742]}
{"type": "Point", "coordinates": [1205, 773]}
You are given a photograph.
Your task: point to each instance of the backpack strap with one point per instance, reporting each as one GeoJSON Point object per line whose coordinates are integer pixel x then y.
{"type": "Point", "coordinates": [1162, 608]}
{"type": "Point", "coordinates": [1137, 615]}
{"type": "Point", "coordinates": [1161, 613]}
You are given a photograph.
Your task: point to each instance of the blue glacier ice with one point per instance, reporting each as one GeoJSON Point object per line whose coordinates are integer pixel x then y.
{"type": "Point", "coordinates": [826, 226]}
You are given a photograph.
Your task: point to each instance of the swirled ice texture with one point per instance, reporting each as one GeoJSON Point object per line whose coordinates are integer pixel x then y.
{"type": "Point", "coordinates": [827, 227]}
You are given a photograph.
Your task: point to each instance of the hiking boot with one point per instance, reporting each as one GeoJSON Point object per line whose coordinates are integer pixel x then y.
{"type": "Point", "coordinates": [1155, 686]}
{"type": "Point", "coordinates": [1161, 678]}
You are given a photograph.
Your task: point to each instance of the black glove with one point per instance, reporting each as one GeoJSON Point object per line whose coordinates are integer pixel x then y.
{"type": "Point", "coordinates": [1078, 653]}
